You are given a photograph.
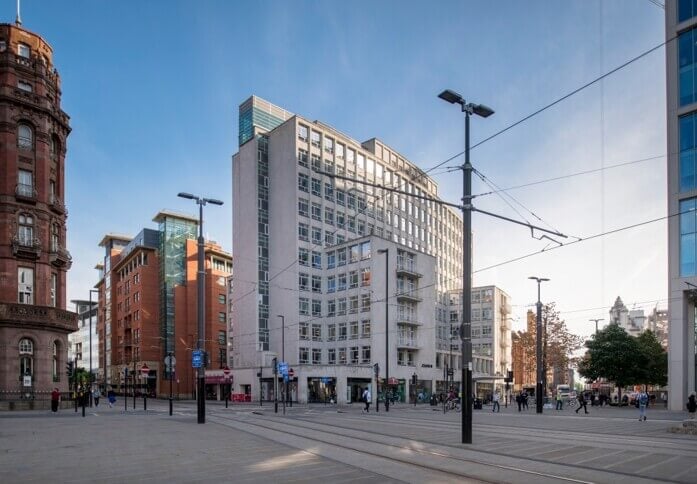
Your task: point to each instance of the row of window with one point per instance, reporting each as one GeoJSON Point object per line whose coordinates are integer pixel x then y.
{"type": "Point", "coordinates": [341, 282]}
{"type": "Point", "coordinates": [335, 332]}
{"type": "Point", "coordinates": [341, 356]}
{"type": "Point", "coordinates": [25, 232]}
{"type": "Point", "coordinates": [26, 359]}
{"type": "Point", "coordinates": [25, 287]}
{"type": "Point", "coordinates": [335, 307]}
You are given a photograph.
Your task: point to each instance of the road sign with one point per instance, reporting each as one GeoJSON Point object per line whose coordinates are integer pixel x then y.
{"type": "Point", "coordinates": [145, 371]}
{"type": "Point", "coordinates": [197, 358]}
{"type": "Point", "coordinates": [226, 372]}
{"type": "Point", "coordinates": [291, 373]}
{"type": "Point", "coordinates": [283, 368]}
{"type": "Point", "coordinates": [170, 361]}
{"type": "Point", "coordinates": [451, 371]}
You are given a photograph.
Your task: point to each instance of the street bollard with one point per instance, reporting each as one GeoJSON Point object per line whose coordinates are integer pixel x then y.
{"type": "Point", "coordinates": [145, 402]}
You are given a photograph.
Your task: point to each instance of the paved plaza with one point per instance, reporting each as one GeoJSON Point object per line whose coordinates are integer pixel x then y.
{"type": "Point", "coordinates": [341, 444]}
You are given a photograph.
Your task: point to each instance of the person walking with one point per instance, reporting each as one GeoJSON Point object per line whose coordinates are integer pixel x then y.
{"type": "Point", "coordinates": [692, 405]}
{"type": "Point", "coordinates": [560, 401]}
{"type": "Point", "coordinates": [96, 395]}
{"type": "Point", "coordinates": [497, 405]}
{"type": "Point", "coordinates": [581, 402]}
{"type": "Point", "coordinates": [111, 396]}
{"type": "Point", "coordinates": [55, 399]}
{"type": "Point", "coordinates": [366, 399]}
{"type": "Point", "coordinates": [525, 400]}
{"type": "Point", "coordinates": [643, 399]}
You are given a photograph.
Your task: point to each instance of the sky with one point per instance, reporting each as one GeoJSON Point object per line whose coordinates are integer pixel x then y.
{"type": "Point", "coordinates": [153, 88]}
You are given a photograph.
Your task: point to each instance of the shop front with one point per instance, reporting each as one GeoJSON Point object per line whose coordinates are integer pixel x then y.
{"type": "Point", "coordinates": [218, 385]}
{"type": "Point", "coordinates": [423, 390]}
{"type": "Point", "coordinates": [321, 390]}
{"type": "Point", "coordinates": [355, 387]}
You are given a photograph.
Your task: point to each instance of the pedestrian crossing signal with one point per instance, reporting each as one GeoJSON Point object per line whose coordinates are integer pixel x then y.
{"type": "Point", "coordinates": [69, 368]}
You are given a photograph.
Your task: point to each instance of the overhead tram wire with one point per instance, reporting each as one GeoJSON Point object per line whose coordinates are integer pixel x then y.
{"type": "Point", "coordinates": [553, 103]}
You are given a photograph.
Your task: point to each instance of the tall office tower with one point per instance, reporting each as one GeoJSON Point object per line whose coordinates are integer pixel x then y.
{"type": "Point", "coordinates": [318, 257]}
{"type": "Point", "coordinates": [34, 260]}
{"type": "Point", "coordinates": [681, 96]}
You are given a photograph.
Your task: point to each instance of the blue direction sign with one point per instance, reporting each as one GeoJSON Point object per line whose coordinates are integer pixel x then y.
{"type": "Point", "coordinates": [283, 368]}
{"type": "Point", "coordinates": [197, 358]}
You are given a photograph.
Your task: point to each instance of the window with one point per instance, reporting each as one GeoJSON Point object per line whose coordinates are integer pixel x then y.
{"type": "Point", "coordinates": [342, 332]}
{"type": "Point", "coordinates": [222, 317]}
{"type": "Point", "coordinates": [688, 145]}
{"type": "Point", "coordinates": [365, 302]}
{"type": "Point", "coordinates": [329, 145]}
{"type": "Point", "coordinates": [331, 356]}
{"type": "Point", "coordinates": [55, 238]}
{"type": "Point", "coordinates": [316, 332]}
{"type": "Point", "coordinates": [316, 307]}
{"type": "Point", "coordinates": [686, 9]}
{"type": "Point", "coordinates": [316, 259]}
{"type": "Point", "coordinates": [340, 198]}
{"type": "Point", "coordinates": [342, 356]}
{"type": "Point", "coordinates": [221, 298]}
{"type": "Point", "coordinates": [23, 50]}
{"type": "Point", "coordinates": [365, 354]}
{"type": "Point", "coordinates": [303, 183]}
{"type": "Point", "coordinates": [329, 216]}
{"type": "Point", "coordinates": [365, 328]}
{"type": "Point", "coordinates": [25, 137]}
{"type": "Point", "coordinates": [353, 330]}
{"type": "Point", "coordinates": [354, 355]}
{"type": "Point", "coordinates": [302, 158]}
{"type": "Point", "coordinates": [26, 357]}
{"type": "Point", "coordinates": [365, 250]}
{"type": "Point", "coordinates": [365, 276]}
{"type": "Point", "coordinates": [25, 185]}
{"type": "Point", "coordinates": [302, 132]}
{"type": "Point", "coordinates": [221, 338]}
{"type": "Point", "coordinates": [54, 289]}
{"type": "Point", "coordinates": [25, 286]}
{"type": "Point", "coordinates": [353, 304]}
{"type": "Point", "coordinates": [304, 331]}
{"type": "Point", "coordinates": [303, 355]}
{"type": "Point", "coordinates": [355, 253]}
{"type": "Point", "coordinates": [688, 237]}
{"type": "Point", "coordinates": [24, 86]}
{"type": "Point", "coordinates": [304, 306]}
{"type": "Point", "coordinates": [331, 332]}
{"type": "Point", "coordinates": [341, 286]}
{"type": "Point", "coordinates": [340, 220]}
{"type": "Point", "coordinates": [316, 356]}
{"type": "Point", "coordinates": [303, 257]}
{"type": "Point", "coordinates": [316, 187]}
{"type": "Point", "coordinates": [328, 238]}
{"type": "Point", "coordinates": [353, 279]}
{"type": "Point", "coordinates": [686, 60]}
{"type": "Point", "coordinates": [317, 284]}
{"type": "Point", "coordinates": [316, 212]}
{"type": "Point", "coordinates": [331, 259]}
{"type": "Point", "coordinates": [316, 235]}
{"type": "Point", "coordinates": [303, 232]}
{"type": "Point", "coordinates": [328, 192]}
{"type": "Point", "coordinates": [331, 307]}
{"type": "Point", "coordinates": [316, 163]}
{"type": "Point", "coordinates": [55, 360]}
{"type": "Point", "coordinates": [26, 230]}
{"type": "Point", "coordinates": [303, 207]}
{"type": "Point", "coordinates": [303, 281]}
{"type": "Point", "coordinates": [315, 139]}
{"type": "Point", "coordinates": [341, 257]}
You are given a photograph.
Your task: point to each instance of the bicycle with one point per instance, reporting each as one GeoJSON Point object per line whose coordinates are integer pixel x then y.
{"type": "Point", "coordinates": [453, 404]}
{"type": "Point", "coordinates": [571, 402]}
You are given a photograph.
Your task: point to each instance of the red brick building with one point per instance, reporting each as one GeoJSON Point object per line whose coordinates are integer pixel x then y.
{"type": "Point", "coordinates": [148, 306]}
{"type": "Point", "coordinates": [34, 324]}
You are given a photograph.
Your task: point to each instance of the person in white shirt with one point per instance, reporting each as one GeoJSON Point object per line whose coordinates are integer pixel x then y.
{"type": "Point", "coordinates": [366, 399]}
{"type": "Point", "coordinates": [497, 405]}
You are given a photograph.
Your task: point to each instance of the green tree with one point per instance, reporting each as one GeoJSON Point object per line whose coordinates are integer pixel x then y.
{"type": "Point", "coordinates": [654, 359]}
{"type": "Point", "coordinates": [614, 355]}
{"type": "Point", "coordinates": [559, 342]}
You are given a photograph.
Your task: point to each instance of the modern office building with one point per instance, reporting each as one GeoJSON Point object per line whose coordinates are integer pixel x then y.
{"type": "Point", "coordinates": [148, 306]}
{"type": "Point", "coordinates": [81, 348]}
{"type": "Point", "coordinates": [658, 323]}
{"type": "Point", "coordinates": [34, 260]}
{"type": "Point", "coordinates": [317, 256]}
{"type": "Point", "coordinates": [681, 97]}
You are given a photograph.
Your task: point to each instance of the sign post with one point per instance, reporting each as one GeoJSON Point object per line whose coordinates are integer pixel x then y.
{"type": "Point", "coordinates": [226, 372]}
{"type": "Point", "coordinates": [144, 373]}
{"type": "Point", "coordinates": [283, 371]}
{"type": "Point", "coordinates": [170, 361]}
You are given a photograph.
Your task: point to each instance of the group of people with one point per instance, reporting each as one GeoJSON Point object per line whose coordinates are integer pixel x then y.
{"type": "Point", "coordinates": [522, 400]}
{"type": "Point", "coordinates": [82, 396]}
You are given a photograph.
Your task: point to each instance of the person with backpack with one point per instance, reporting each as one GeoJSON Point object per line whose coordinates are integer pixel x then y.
{"type": "Point", "coordinates": [692, 405]}
{"type": "Point", "coordinates": [366, 399]}
{"type": "Point", "coordinates": [581, 403]}
{"type": "Point", "coordinates": [643, 399]}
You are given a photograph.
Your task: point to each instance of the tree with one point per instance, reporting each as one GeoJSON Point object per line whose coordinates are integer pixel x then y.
{"type": "Point", "coordinates": [614, 355]}
{"type": "Point", "coordinates": [654, 359]}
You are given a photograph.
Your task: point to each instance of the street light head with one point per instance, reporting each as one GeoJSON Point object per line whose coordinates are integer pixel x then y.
{"type": "Point", "coordinates": [451, 96]}
{"type": "Point", "coordinates": [383, 251]}
{"type": "Point", "coordinates": [186, 195]}
{"type": "Point", "coordinates": [213, 201]}
{"type": "Point", "coordinates": [482, 110]}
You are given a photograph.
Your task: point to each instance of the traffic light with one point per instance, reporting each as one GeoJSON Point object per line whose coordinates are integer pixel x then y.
{"type": "Point", "coordinates": [69, 369]}
{"type": "Point", "coordinates": [413, 379]}
{"type": "Point", "coordinates": [275, 366]}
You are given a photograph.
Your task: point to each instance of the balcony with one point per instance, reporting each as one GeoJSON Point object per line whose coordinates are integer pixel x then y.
{"type": "Point", "coordinates": [407, 318]}
{"type": "Point", "coordinates": [408, 295]}
{"type": "Point", "coordinates": [57, 204]}
{"type": "Point", "coordinates": [25, 193]}
{"type": "Point", "coordinates": [60, 257]}
{"type": "Point", "coordinates": [26, 247]}
{"type": "Point", "coordinates": [407, 267]}
{"type": "Point", "coordinates": [406, 342]}
{"type": "Point", "coordinates": [128, 342]}
{"type": "Point", "coordinates": [30, 316]}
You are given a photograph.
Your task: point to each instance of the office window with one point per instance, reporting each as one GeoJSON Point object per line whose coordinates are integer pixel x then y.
{"type": "Point", "coordinates": [342, 332]}
{"type": "Point", "coordinates": [331, 284]}
{"type": "Point", "coordinates": [365, 302]}
{"type": "Point", "coordinates": [25, 286]}
{"type": "Point", "coordinates": [686, 67]}
{"type": "Point", "coordinates": [353, 304]}
{"type": "Point", "coordinates": [342, 356]}
{"type": "Point", "coordinates": [221, 338]}
{"type": "Point", "coordinates": [331, 332]}
{"type": "Point", "coordinates": [304, 306]}
{"type": "Point", "coordinates": [303, 257]}
{"type": "Point", "coordinates": [341, 257]}
{"type": "Point", "coordinates": [304, 331]}
{"type": "Point", "coordinates": [316, 163]}
{"type": "Point", "coordinates": [686, 9]}
{"type": "Point", "coordinates": [331, 356]}
{"type": "Point", "coordinates": [23, 50]}
{"type": "Point", "coordinates": [314, 139]}
{"type": "Point", "coordinates": [303, 355]}
{"type": "Point", "coordinates": [365, 276]}
{"type": "Point", "coordinates": [331, 259]}
{"type": "Point", "coordinates": [340, 197]}
{"type": "Point", "coordinates": [353, 330]}
{"type": "Point", "coordinates": [316, 235]}
{"type": "Point", "coordinates": [316, 212]}
{"type": "Point", "coordinates": [365, 328]}
{"type": "Point", "coordinates": [303, 281]}
{"type": "Point", "coordinates": [303, 232]}
{"type": "Point", "coordinates": [303, 207]}
{"type": "Point", "coordinates": [328, 238]}
{"type": "Point", "coordinates": [316, 259]}
{"type": "Point", "coordinates": [303, 183]}
{"type": "Point", "coordinates": [341, 306]}
{"type": "Point", "coordinates": [302, 158]}
{"type": "Point", "coordinates": [316, 332]}
{"type": "Point", "coordinates": [340, 220]}
{"type": "Point", "coordinates": [353, 279]}
{"type": "Point", "coordinates": [316, 356]}
{"type": "Point", "coordinates": [341, 286]}
{"type": "Point", "coordinates": [365, 354]}
{"type": "Point", "coordinates": [302, 132]}
{"type": "Point", "coordinates": [688, 237]}
{"type": "Point", "coordinates": [329, 216]}
{"type": "Point", "coordinates": [355, 253]}
{"type": "Point", "coordinates": [317, 307]}
{"type": "Point", "coordinates": [688, 151]}
{"type": "Point", "coordinates": [354, 355]}
{"type": "Point", "coordinates": [331, 307]}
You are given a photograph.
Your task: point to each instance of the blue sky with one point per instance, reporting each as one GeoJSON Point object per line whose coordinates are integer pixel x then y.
{"type": "Point", "coordinates": [153, 87]}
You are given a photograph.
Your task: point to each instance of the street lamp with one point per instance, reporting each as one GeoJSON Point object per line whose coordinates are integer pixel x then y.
{"type": "Point", "coordinates": [89, 313]}
{"type": "Point", "coordinates": [540, 370]}
{"type": "Point", "coordinates": [466, 328]}
{"type": "Point", "coordinates": [201, 388]}
{"type": "Point", "coordinates": [596, 323]}
{"type": "Point", "coordinates": [283, 360]}
{"type": "Point", "coordinates": [387, 329]}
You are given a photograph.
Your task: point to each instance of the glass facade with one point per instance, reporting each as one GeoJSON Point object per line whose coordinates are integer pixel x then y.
{"type": "Point", "coordinates": [254, 116]}
{"type": "Point", "coordinates": [686, 9]}
{"type": "Point", "coordinates": [173, 235]}
{"type": "Point", "coordinates": [688, 237]}
{"type": "Point", "coordinates": [688, 148]}
{"type": "Point", "coordinates": [687, 52]}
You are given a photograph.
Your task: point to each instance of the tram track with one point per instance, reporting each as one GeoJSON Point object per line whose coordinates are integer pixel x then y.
{"type": "Point", "coordinates": [434, 458]}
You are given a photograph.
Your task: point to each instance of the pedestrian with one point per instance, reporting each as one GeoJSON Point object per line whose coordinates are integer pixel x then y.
{"type": "Point", "coordinates": [560, 401]}
{"type": "Point", "coordinates": [55, 399]}
{"type": "Point", "coordinates": [111, 396]}
{"type": "Point", "coordinates": [525, 400]}
{"type": "Point", "coordinates": [692, 405]}
{"type": "Point", "coordinates": [519, 400]}
{"type": "Point", "coordinates": [497, 405]}
{"type": "Point", "coordinates": [366, 399]}
{"type": "Point", "coordinates": [581, 402]}
{"type": "Point", "coordinates": [592, 399]}
{"type": "Point", "coordinates": [643, 399]}
{"type": "Point", "coordinates": [96, 395]}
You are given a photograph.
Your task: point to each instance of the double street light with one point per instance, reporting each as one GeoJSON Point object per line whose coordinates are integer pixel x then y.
{"type": "Point", "coordinates": [201, 275]}
{"type": "Point", "coordinates": [541, 377]}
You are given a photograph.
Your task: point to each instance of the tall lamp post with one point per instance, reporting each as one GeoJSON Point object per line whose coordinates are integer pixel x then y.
{"type": "Point", "coordinates": [541, 377]}
{"type": "Point", "coordinates": [89, 314]}
{"type": "Point", "coordinates": [387, 328]}
{"type": "Point", "coordinates": [283, 359]}
{"type": "Point", "coordinates": [596, 323]}
{"type": "Point", "coordinates": [466, 331]}
{"type": "Point", "coordinates": [201, 387]}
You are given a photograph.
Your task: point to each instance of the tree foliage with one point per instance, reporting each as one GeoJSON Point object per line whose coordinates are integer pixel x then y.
{"type": "Point", "coordinates": [655, 359]}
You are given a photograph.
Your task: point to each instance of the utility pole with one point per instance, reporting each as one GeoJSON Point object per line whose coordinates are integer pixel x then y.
{"type": "Point", "coordinates": [539, 389]}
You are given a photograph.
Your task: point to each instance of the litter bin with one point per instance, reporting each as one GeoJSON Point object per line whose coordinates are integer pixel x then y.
{"type": "Point", "coordinates": [477, 404]}
{"type": "Point", "coordinates": [433, 400]}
